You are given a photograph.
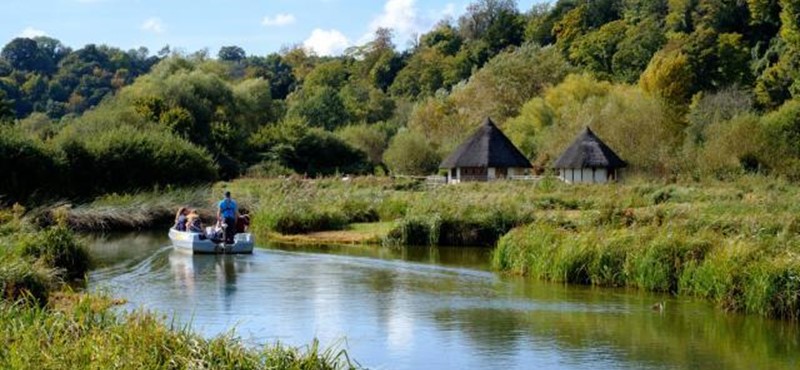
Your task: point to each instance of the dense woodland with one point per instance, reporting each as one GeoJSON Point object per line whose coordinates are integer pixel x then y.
{"type": "Point", "coordinates": [682, 89]}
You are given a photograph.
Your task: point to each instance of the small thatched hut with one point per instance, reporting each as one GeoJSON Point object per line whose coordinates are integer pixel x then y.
{"type": "Point", "coordinates": [589, 160]}
{"type": "Point", "coordinates": [487, 155]}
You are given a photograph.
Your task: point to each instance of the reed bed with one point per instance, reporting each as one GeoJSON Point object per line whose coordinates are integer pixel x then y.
{"type": "Point", "coordinates": [87, 333]}
{"type": "Point", "coordinates": [737, 247]}
{"type": "Point", "coordinates": [735, 243]}
{"type": "Point", "coordinates": [123, 212]}
{"type": "Point", "coordinates": [44, 325]}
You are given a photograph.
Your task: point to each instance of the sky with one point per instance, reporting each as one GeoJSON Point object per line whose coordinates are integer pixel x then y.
{"type": "Point", "coordinates": [259, 26]}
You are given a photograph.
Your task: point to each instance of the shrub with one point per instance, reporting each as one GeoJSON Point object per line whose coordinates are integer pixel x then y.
{"type": "Point", "coordinates": [127, 159]}
{"type": "Point", "coordinates": [57, 248]}
{"type": "Point", "coordinates": [410, 154]}
{"type": "Point", "coordinates": [21, 281]}
{"type": "Point", "coordinates": [26, 167]}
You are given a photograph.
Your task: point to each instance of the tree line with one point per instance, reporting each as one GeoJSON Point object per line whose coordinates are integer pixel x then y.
{"type": "Point", "coordinates": [686, 88]}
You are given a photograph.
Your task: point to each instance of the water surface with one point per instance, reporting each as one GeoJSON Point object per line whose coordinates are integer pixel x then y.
{"type": "Point", "coordinates": [437, 308]}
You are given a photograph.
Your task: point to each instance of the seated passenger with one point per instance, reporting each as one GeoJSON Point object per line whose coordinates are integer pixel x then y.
{"type": "Point", "coordinates": [193, 222]}
{"type": "Point", "coordinates": [216, 234]}
{"type": "Point", "coordinates": [242, 224]}
{"type": "Point", "coordinates": [180, 219]}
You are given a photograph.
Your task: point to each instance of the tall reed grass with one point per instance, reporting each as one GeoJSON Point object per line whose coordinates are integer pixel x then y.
{"type": "Point", "coordinates": [87, 334]}
{"type": "Point", "coordinates": [735, 244]}
{"type": "Point", "coordinates": [42, 327]}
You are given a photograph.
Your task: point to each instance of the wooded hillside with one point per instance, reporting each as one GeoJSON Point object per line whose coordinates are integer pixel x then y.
{"type": "Point", "coordinates": [680, 88]}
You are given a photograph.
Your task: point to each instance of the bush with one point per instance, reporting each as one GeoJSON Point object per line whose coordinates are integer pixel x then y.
{"type": "Point", "coordinates": [26, 167]}
{"type": "Point", "coordinates": [410, 154]}
{"type": "Point", "coordinates": [320, 152]}
{"type": "Point", "coordinates": [21, 281]}
{"type": "Point", "coordinates": [127, 159]}
{"type": "Point", "coordinates": [57, 248]}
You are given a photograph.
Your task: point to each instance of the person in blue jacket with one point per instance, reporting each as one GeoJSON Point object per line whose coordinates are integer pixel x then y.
{"type": "Point", "coordinates": [228, 213]}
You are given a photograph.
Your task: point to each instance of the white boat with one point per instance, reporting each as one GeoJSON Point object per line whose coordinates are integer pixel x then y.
{"type": "Point", "coordinates": [197, 243]}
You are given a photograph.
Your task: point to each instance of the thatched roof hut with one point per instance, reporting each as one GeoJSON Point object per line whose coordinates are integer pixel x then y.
{"type": "Point", "coordinates": [486, 155]}
{"type": "Point", "coordinates": [589, 160]}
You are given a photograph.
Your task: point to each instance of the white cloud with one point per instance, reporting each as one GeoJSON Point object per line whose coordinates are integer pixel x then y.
{"type": "Point", "coordinates": [154, 25]}
{"type": "Point", "coordinates": [330, 42]}
{"type": "Point", "coordinates": [399, 15]}
{"type": "Point", "coordinates": [405, 19]}
{"type": "Point", "coordinates": [449, 10]}
{"type": "Point", "coordinates": [30, 32]}
{"type": "Point", "coordinates": [279, 20]}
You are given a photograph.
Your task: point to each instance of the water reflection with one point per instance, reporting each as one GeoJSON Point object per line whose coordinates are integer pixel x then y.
{"type": "Point", "coordinates": [420, 307]}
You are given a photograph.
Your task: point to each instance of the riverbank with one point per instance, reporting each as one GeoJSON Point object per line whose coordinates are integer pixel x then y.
{"type": "Point", "coordinates": [734, 243]}
{"type": "Point", "coordinates": [39, 270]}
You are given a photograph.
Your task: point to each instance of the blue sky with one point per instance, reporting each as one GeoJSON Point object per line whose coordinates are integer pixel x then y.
{"type": "Point", "coordinates": [259, 26]}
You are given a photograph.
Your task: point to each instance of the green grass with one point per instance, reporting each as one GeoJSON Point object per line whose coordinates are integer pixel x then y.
{"type": "Point", "coordinates": [44, 325]}
{"type": "Point", "coordinates": [734, 243]}
{"type": "Point", "coordinates": [122, 212]}
{"type": "Point", "coordinates": [86, 333]}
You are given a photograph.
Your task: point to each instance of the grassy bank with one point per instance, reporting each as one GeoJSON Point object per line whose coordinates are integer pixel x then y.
{"type": "Point", "coordinates": [734, 244]}
{"type": "Point", "coordinates": [85, 333]}
{"type": "Point", "coordinates": [124, 212]}
{"type": "Point", "coordinates": [470, 214]}
{"type": "Point", "coordinates": [44, 325]}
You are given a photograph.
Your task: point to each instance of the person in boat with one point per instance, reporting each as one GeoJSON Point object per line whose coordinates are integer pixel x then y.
{"type": "Point", "coordinates": [180, 219]}
{"type": "Point", "coordinates": [193, 222]}
{"type": "Point", "coordinates": [227, 213]}
{"type": "Point", "coordinates": [242, 223]}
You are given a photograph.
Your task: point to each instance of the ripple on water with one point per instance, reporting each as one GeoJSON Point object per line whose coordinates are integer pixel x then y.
{"type": "Point", "coordinates": [408, 310]}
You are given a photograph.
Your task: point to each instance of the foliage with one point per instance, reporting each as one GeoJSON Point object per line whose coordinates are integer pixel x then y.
{"type": "Point", "coordinates": [410, 153]}
{"type": "Point", "coordinates": [58, 249]}
{"type": "Point", "coordinates": [125, 159]}
{"type": "Point", "coordinates": [27, 166]}
{"type": "Point", "coordinates": [373, 140]}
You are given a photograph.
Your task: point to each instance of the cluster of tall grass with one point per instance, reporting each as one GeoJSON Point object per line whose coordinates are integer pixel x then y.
{"type": "Point", "coordinates": [128, 211]}
{"type": "Point", "coordinates": [35, 262]}
{"type": "Point", "coordinates": [471, 214]}
{"type": "Point", "coordinates": [85, 332]}
{"type": "Point", "coordinates": [37, 269]}
{"type": "Point", "coordinates": [80, 166]}
{"type": "Point", "coordinates": [736, 245]}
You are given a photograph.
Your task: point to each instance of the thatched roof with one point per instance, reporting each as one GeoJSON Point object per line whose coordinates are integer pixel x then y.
{"type": "Point", "coordinates": [588, 151]}
{"type": "Point", "coordinates": [487, 147]}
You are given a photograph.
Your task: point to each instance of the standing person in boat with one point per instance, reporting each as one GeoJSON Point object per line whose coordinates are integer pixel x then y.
{"type": "Point", "coordinates": [180, 219]}
{"type": "Point", "coordinates": [228, 212]}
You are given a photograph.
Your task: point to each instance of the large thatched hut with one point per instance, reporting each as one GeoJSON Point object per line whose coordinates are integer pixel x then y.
{"type": "Point", "coordinates": [487, 155]}
{"type": "Point", "coordinates": [589, 160]}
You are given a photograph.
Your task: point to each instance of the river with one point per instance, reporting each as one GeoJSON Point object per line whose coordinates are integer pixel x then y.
{"type": "Point", "coordinates": [430, 308]}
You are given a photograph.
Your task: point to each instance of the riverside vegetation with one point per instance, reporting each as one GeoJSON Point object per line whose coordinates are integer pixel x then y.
{"type": "Point", "coordinates": [39, 270]}
{"type": "Point", "coordinates": [734, 243]}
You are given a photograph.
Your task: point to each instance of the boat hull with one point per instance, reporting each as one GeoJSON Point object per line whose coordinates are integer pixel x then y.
{"type": "Point", "coordinates": [191, 242]}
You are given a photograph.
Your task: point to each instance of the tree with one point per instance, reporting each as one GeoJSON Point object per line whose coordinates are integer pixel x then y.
{"type": "Point", "coordinates": [231, 54]}
{"type": "Point", "coordinates": [410, 154]}
{"type": "Point", "coordinates": [669, 76]}
{"type": "Point", "coordinates": [6, 108]}
{"type": "Point", "coordinates": [320, 152]}
{"type": "Point", "coordinates": [370, 139]}
{"type": "Point", "coordinates": [444, 38]}
{"type": "Point", "coordinates": [482, 14]}
{"type": "Point", "coordinates": [24, 54]}
{"type": "Point", "coordinates": [320, 107]}
{"type": "Point", "coordinates": [636, 50]}
{"type": "Point", "coordinates": [596, 50]}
